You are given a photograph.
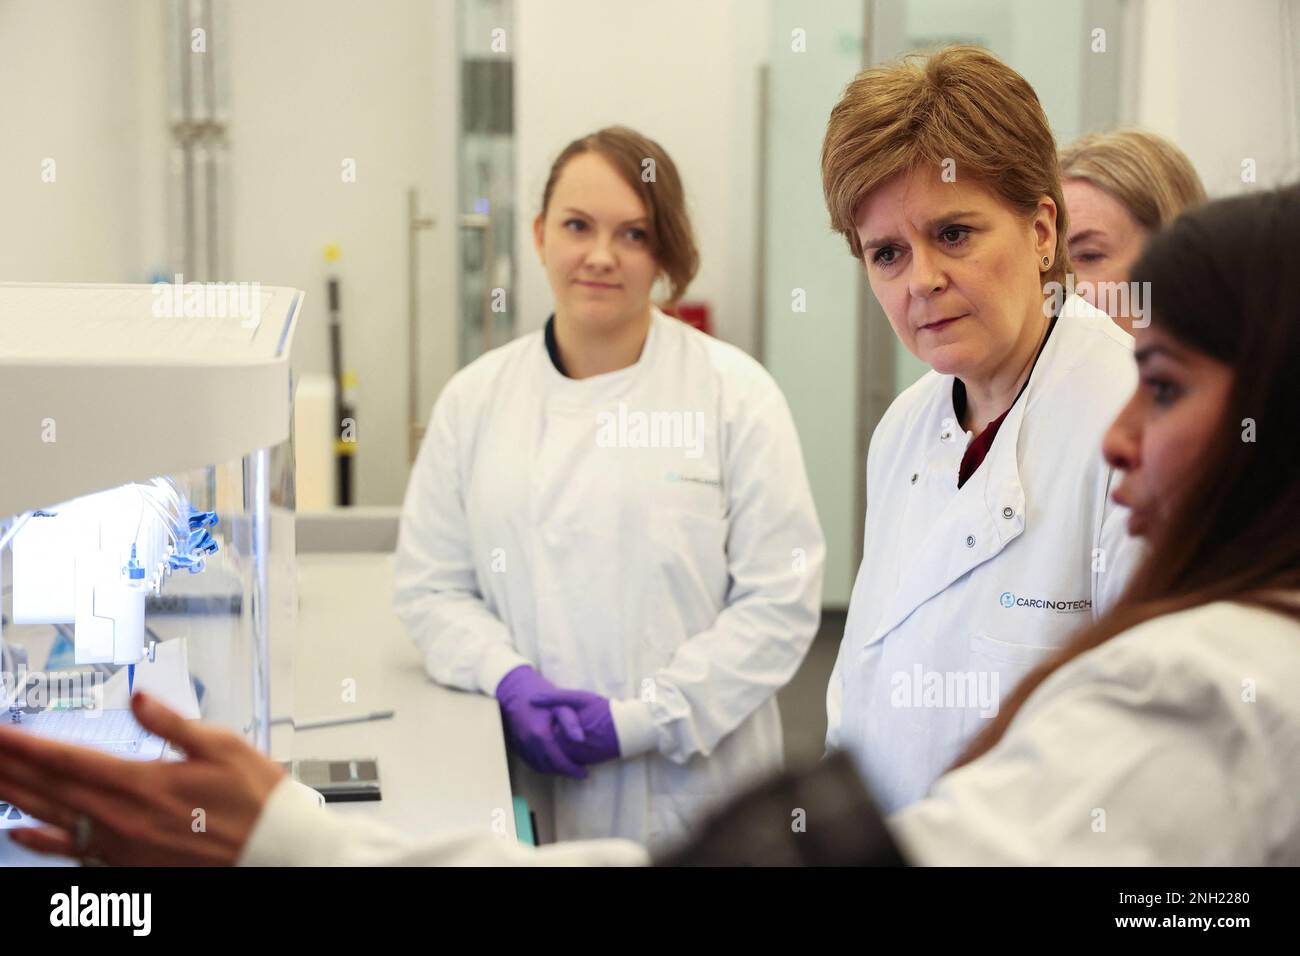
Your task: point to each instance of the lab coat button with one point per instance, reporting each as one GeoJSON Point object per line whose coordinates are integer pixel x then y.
{"type": "Point", "coordinates": [970, 541]}
{"type": "Point", "coordinates": [914, 477]}
{"type": "Point", "coordinates": [1008, 513]}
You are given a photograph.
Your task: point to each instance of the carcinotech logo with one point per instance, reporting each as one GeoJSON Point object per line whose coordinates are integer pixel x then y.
{"type": "Point", "coordinates": [1009, 600]}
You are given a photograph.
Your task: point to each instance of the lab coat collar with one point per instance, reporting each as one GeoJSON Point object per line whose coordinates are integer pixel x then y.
{"type": "Point", "coordinates": [988, 512]}
{"type": "Point", "coordinates": [600, 387]}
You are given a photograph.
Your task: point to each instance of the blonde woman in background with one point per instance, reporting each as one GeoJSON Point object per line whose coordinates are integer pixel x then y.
{"type": "Point", "coordinates": [1120, 188]}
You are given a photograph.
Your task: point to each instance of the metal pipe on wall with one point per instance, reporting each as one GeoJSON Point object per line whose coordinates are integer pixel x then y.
{"type": "Point", "coordinates": [197, 119]}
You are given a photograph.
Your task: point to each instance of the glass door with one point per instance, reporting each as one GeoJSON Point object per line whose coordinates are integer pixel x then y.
{"type": "Point", "coordinates": [486, 176]}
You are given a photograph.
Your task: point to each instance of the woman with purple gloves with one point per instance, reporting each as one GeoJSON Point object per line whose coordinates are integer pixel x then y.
{"type": "Point", "coordinates": [609, 525]}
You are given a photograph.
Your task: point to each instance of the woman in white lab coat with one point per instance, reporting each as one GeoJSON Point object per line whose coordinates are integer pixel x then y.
{"type": "Point", "coordinates": [609, 525]}
{"type": "Point", "coordinates": [1166, 733]}
{"type": "Point", "coordinates": [990, 534]}
{"type": "Point", "coordinates": [1169, 732]}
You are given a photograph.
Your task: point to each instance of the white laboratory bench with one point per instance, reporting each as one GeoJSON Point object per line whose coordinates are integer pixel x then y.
{"type": "Point", "coordinates": [442, 758]}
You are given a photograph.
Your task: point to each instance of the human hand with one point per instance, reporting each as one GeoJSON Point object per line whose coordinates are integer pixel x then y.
{"type": "Point", "coordinates": [530, 727]}
{"type": "Point", "coordinates": [199, 811]}
{"type": "Point", "coordinates": [585, 727]}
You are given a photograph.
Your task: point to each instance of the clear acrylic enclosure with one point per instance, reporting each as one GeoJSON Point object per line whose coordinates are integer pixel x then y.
{"type": "Point", "coordinates": [182, 586]}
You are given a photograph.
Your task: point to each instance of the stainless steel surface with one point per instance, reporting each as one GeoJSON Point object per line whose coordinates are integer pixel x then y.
{"type": "Point", "coordinates": [197, 114]}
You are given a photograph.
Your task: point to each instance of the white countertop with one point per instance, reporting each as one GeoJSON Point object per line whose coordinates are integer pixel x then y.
{"type": "Point", "coordinates": [442, 758]}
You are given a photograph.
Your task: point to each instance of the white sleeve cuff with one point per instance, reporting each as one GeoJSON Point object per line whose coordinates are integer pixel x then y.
{"type": "Point", "coordinates": [498, 661]}
{"type": "Point", "coordinates": [293, 830]}
{"type": "Point", "coordinates": [635, 726]}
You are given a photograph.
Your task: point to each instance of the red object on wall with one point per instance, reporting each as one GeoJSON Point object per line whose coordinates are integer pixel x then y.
{"type": "Point", "coordinates": [697, 314]}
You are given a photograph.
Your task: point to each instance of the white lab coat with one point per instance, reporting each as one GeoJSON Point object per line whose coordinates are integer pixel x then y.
{"type": "Point", "coordinates": [1176, 743]}
{"type": "Point", "coordinates": [929, 648]}
{"type": "Point", "coordinates": [542, 526]}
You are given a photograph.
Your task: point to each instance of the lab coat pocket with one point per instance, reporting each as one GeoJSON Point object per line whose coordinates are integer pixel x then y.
{"type": "Point", "coordinates": [996, 667]}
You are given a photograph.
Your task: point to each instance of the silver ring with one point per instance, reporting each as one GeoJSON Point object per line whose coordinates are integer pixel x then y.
{"type": "Point", "coordinates": [81, 833]}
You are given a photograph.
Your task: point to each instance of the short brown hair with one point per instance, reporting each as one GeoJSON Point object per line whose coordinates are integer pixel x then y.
{"type": "Point", "coordinates": [671, 239]}
{"type": "Point", "coordinates": [1148, 175]}
{"type": "Point", "coordinates": [960, 103]}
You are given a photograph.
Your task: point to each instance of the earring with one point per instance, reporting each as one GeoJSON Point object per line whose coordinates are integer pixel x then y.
{"type": "Point", "coordinates": [1046, 262]}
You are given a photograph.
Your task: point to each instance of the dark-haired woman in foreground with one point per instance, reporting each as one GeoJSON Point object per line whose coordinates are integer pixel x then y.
{"type": "Point", "coordinates": [1166, 733]}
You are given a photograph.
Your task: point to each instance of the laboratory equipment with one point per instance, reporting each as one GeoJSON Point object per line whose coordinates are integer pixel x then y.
{"type": "Point", "coordinates": [146, 498]}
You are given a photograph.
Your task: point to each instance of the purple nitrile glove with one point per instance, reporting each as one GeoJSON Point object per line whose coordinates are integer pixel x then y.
{"type": "Point", "coordinates": [585, 727]}
{"type": "Point", "coordinates": [530, 728]}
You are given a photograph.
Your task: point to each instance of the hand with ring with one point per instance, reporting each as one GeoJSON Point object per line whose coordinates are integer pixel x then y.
{"type": "Point", "coordinates": [199, 811]}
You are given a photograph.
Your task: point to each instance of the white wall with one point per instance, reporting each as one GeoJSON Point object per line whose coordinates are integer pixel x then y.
{"type": "Point", "coordinates": [1222, 82]}
{"type": "Point", "coordinates": [312, 82]}
{"type": "Point", "coordinates": [682, 72]}
{"type": "Point", "coordinates": [315, 82]}
{"type": "Point", "coordinates": [81, 84]}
